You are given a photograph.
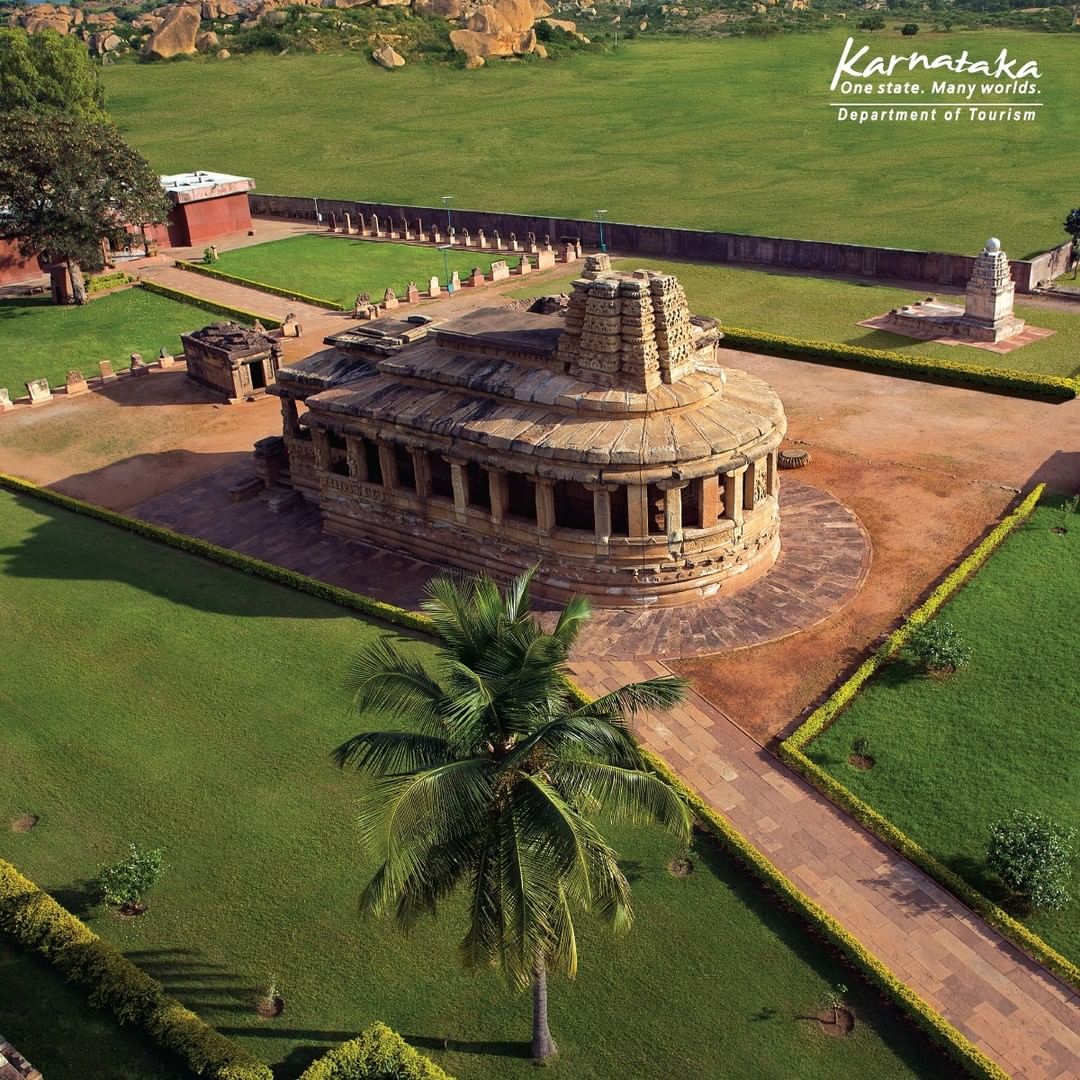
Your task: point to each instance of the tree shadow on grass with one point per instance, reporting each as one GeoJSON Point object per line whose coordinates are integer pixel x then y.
{"type": "Point", "coordinates": [203, 986]}
{"type": "Point", "coordinates": [81, 897]}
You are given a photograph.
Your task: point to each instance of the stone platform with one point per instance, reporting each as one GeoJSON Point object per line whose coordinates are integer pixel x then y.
{"type": "Point", "coordinates": [825, 558]}
{"type": "Point", "coordinates": [929, 331]}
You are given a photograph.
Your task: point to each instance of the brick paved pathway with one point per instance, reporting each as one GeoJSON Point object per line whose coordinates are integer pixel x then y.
{"type": "Point", "coordinates": [1011, 1008]}
{"type": "Point", "coordinates": [826, 558]}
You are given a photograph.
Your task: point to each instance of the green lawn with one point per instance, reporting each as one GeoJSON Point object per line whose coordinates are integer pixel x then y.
{"type": "Point", "coordinates": [147, 695]}
{"type": "Point", "coordinates": [333, 268]}
{"type": "Point", "coordinates": [41, 340]}
{"type": "Point", "coordinates": [51, 1025]}
{"type": "Point", "coordinates": [827, 310]}
{"type": "Point", "coordinates": [732, 134]}
{"type": "Point", "coordinates": [955, 755]}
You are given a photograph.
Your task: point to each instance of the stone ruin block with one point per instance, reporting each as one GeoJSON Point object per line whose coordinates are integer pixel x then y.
{"type": "Point", "coordinates": [106, 369]}
{"type": "Point", "coordinates": [455, 281]}
{"type": "Point", "coordinates": [525, 266]}
{"type": "Point", "coordinates": [75, 384]}
{"type": "Point", "coordinates": [138, 365]}
{"type": "Point", "coordinates": [412, 293]}
{"type": "Point", "coordinates": [390, 300]}
{"type": "Point", "coordinates": [39, 391]}
{"type": "Point", "coordinates": [545, 259]}
{"type": "Point", "coordinates": [482, 240]}
{"type": "Point", "coordinates": [500, 270]}
{"type": "Point", "coordinates": [476, 277]}
{"type": "Point", "coordinates": [165, 358]}
{"type": "Point", "coordinates": [6, 404]}
{"type": "Point", "coordinates": [433, 286]}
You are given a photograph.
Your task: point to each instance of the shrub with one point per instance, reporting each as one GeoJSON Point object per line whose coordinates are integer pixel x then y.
{"type": "Point", "coordinates": [1031, 855]}
{"type": "Point", "coordinates": [123, 883]}
{"type": "Point", "coordinates": [939, 646]}
{"type": "Point", "coordinates": [909, 29]}
{"type": "Point", "coordinates": [872, 22]}
{"type": "Point", "coordinates": [376, 1054]}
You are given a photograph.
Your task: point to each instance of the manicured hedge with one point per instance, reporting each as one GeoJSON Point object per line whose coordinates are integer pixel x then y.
{"type": "Point", "coordinates": [274, 290]}
{"type": "Point", "coordinates": [208, 305]}
{"type": "Point", "coordinates": [38, 922]}
{"type": "Point", "coordinates": [376, 1054]}
{"type": "Point", "coordinates": [956, 1044]}
{"type": "Point", "coordinates": [791, 752]}
{"type": "Point", "coordinates": [948, 371]}
{"type": "Point", "coordinates": [344, 597]}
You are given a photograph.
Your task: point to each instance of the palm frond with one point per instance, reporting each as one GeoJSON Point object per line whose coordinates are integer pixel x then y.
{"type": "Point", "coordinates": [653, 695]}
{"type": "Point", "coordinates": [572, 618]}
{"type": "Point", "coordinates": [516, 598]}
{"type": "Point", "coordinates": [384, 679]}
{"type": "Point", "coordinates": [386, 753]}
{"type": "Point", "coordinates": [623, 794]}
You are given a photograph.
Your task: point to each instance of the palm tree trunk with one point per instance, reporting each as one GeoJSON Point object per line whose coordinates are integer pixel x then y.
{"type": "Point", "coordinates": [543, 1045]}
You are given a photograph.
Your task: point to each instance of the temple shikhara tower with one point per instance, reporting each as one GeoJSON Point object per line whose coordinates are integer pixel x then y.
{"type": "Point", "coordinates": [988, 306]}
{"type": "Point", "coordinates": [604, 442]}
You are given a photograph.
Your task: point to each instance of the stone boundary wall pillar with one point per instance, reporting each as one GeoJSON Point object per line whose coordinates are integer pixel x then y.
{"type": "Point", "coordinates": [814, 256]}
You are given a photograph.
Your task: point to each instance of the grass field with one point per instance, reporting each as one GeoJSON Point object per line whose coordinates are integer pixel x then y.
{"type": "Point", "coordinates": [41, 340]}
{"type": "Point", "coordinates": [336, 269]}
{"type": "Point", "coordinates": [955, 755]}
{"type": "Point", "coordinates": [51, 1025]}
{"type": "Point", "coordinates": [731, 134]}
{"type": "Point", "coordinates": [826, 310]}
{"type": "Point", "coordinates": [147, 695]}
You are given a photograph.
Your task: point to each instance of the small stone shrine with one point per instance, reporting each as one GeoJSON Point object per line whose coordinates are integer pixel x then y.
{"type": "Point", "coordinates": [987, 314]}
{"type": "Point", "coordinates": [231, 359]}
{"type": "Point", "coordinates": [603, 441]}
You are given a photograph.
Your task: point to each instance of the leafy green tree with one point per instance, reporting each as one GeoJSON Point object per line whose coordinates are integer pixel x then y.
{"type": "Point", "coordinates": [872, 22]}
{"type": "Point", "coordinates": [124, 883]}
{"type": "Point", "coordinates": [496, 783]}
{"type": "Point", "coordinates": [909, 29]}
{"type": "Point", "coordinates": [1032, 855]}
{"type": "Point", "coordinates": [48, 72]}
{"type": "Point", "coordinates": [1071, 225]}
{"type": "Point", "coordinates": [939, 646]}
{"type": "Point", "coordinates": [67, 183]}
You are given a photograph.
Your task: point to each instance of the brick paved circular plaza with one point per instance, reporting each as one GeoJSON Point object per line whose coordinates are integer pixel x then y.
{"type": "Point", "coordinates": [824, 559]}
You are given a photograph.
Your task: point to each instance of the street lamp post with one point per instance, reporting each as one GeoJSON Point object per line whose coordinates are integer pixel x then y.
{"type": "Point", "coordinates": [444, 248]}
{"type": "Point", "coordinates": [600, 219]}
{"type": "Point", "coordinates": [446, 203]}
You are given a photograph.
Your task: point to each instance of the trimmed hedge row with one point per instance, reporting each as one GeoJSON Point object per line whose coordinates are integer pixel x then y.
{"type": "Point", "coordinates": [38, 922]}
{"type": "Point", "coordinates": [208, 305]}
{"type": "Point", "coordinates": [791, 752]}
{"type": "Point", "coordinates": [274, 290]}
{"type": "Point", "coordinates": [955, 1043]}
{"type": "Point", "coordinates": [376, 1054]}
{"type": "Point", "coordinates": [881, 360]}
{"type": "Point", "coordinates": [343, 597]}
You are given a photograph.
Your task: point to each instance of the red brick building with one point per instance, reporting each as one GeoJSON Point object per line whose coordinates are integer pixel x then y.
{"type": "Point", "coordinates": [206, 206]}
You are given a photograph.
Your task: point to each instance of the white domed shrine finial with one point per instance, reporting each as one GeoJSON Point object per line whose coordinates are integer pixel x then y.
{"type": "Point", "coordinates": [993, 244]}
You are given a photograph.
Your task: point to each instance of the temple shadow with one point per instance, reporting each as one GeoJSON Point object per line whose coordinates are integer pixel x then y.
{"type": "Point", "coordinates": [64, 546]}
{"type": "Point", "coordinates": [169, 387]}
{"type": "Point", "coordinates": [1060, 472]}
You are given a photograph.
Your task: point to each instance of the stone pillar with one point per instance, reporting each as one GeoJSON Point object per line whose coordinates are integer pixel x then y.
{"type": "Point", "coordinates": [637, 506]}
{"type": "Point", "coordinates": [290, 423]}
{"type": "Point", "coordinates": [601, 504]}
{"type": "Point", "coordinates": [321, 445]}
{"type": "Point", "coordinates": [733, 492]}
{"type": "Point", "coordinates": [673, 490]}
{"type": "Point", "coordinates": [460, 479]}
{"type": "Point", "coordinates": [772, 478]}
{"type": "Point", "coordinates": [749, 484]}
{"type": "Point", "coordinates": [354, 450]}
{"type": "Point", "coordinates": [388, 466]}
{"type": "Point", "coordinates": [709, 501]}
{"type": "Point", "coordinates": [421, 470]}
{"type": "Point", "coordinates": [499, 493]}
{"type": "Point", "coordinates": [545, 504]}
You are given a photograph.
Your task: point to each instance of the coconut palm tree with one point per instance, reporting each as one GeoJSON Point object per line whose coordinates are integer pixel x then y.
{"type": "Point", "coordinates": [495, 782]}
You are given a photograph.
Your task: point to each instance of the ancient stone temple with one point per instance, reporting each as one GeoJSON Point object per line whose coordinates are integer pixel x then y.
{"type": "Point", "coordinates": [604, 442]}
{"type": "Point", "coordinates": [987, 314]}
{"type": "Point", "coordinates": [231, 359]}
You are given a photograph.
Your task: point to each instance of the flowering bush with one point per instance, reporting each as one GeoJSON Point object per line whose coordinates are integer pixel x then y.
{"type": "Point", "coordinates": [1031, 855]}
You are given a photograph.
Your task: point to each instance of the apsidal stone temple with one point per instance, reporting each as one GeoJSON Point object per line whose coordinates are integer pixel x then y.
{"type": "Point", "coordinates": [603, 442]}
